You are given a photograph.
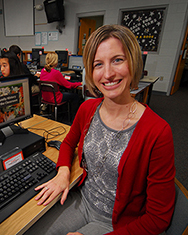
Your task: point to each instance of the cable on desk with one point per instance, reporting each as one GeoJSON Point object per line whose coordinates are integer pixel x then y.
{"type": "Point", "coordinates": [52, 132]}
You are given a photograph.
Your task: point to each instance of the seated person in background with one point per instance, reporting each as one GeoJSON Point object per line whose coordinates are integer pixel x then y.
{"type": "Point", "coordinates": [49, 73]}
{"type": "Point", "coordinates": [10, 64]}
{"type": "Point", "coordinates": [33, 79]}
{"type": "Point", "coordinates": [125, 149]}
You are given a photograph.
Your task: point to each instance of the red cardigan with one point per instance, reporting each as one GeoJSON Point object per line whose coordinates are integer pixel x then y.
{"type": "Point", "coordinates": [145, 194]}
{"type": "Point", "coordinates": [56, 76]}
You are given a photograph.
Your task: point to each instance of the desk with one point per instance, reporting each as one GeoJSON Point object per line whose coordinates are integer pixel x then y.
{"type": "Point", "coordinates": [151, 80]}
{"type": "Point", "coordinates": [145, 87]}
{"type": "Point", "coordinates": [29, 213]}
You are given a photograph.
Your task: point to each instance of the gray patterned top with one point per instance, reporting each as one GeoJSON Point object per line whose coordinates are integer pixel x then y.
{"type": "Point", "coordinates": [103, 148]}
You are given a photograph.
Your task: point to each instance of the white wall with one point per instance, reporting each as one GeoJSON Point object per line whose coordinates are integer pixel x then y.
{"type": "Point", "coordinates": [162, 63]}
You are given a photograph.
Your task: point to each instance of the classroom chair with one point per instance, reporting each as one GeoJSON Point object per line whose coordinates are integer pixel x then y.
{"type": "Point", "coordinates": [179, 222]}
{"type": "Point", "coordinates": [35, 101]}
{"type": "Point", "coordinates": [52, 87]}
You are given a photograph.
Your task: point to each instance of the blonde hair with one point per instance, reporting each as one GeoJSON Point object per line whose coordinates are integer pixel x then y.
{"type": "Point", "coordinates": [130, 46]}
{"type": "Point", "coordinates": [51, 61]}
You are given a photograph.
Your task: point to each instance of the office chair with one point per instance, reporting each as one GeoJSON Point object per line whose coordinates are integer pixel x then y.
{"type": "Point", "coordinates": [179, 222]}
{"type": "Point", "coordinates": [36, 100]}
{"type": "Point", "coordinates": [52, 87]}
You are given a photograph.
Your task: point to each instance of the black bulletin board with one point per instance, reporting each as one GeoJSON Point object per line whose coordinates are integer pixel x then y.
{"type": "Point", "coordinates": [146, 25]}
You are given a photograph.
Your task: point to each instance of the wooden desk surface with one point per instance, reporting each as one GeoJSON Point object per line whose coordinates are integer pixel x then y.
{"type": "Point", "coordinates": [149, 79]}
{"type": "Point", "coordinates": [29, 213]}
{"type": "Point", "coordinates": [68, 72]}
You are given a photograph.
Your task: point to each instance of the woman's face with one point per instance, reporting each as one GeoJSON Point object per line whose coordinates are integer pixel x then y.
{"type": "Point", "coordinates": [5, 67]}
{"type": "Point", "coordinates": [110, 69]}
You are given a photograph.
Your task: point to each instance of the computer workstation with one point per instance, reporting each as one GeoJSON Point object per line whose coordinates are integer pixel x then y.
{"type": "Point", "coordinates": [16, 145]}
{"type": "Point", "coordinates": [24, 153]}
{"type": "Point", "coordinates": [70, 66]}
{"type": "Point", "coordinates": [36, 52]}
{"type": "Point", "coordinates": [75, 69]}
{"type": "Point", "coordinates": [62, 60]}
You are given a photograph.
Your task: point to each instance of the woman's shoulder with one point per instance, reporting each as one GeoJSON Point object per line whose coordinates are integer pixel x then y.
{"type": "Point", "coordinates": [55, 71]}
{"type": "Point", "coordinates": [152, 119]}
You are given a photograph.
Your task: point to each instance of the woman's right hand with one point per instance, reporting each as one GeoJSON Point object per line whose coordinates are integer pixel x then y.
{"type": "Point", "coordinates": [52, 188]}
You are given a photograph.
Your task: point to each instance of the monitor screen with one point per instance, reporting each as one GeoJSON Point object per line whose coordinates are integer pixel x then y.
{"type": "Point", "coordinates": [62, 56]}
{"type": "Point", "coordinates": [15, 100]}
{"type": "Point", "coordinates": [42, 60]}
{"type": "Point", "coordinates": [76, 63]}
{"type": "Point", "coordinates": [36, 52]}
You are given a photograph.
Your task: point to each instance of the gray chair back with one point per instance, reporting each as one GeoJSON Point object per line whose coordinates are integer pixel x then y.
{"type": "Point", "coordinates": [179, 222]}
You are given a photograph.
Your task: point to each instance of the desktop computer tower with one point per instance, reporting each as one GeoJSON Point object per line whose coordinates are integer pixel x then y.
{"type": "Point", "coordinates": [29, 143]}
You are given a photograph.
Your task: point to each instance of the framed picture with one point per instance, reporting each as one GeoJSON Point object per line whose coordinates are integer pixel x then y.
{"type": "Point", "coordinates": [146, 25]}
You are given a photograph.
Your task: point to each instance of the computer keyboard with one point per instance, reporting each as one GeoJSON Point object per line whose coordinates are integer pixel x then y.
{"type": "Point", "coordinates": [17, 183]}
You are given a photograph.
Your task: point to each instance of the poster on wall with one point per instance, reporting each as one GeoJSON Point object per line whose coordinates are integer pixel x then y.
{"type": "Point", "coordinates": [38, 39]}
{"type": "Point", "coordinates": [44, 38]}
{"type": "Point", "coordinates": [53, 36]}
{"type": "Point", "coordinates": [146, 25]}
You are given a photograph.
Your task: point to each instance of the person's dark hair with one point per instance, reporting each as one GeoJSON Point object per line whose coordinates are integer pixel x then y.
{"type": "Point", "coordinates": [16, 49]}
{"type": "Point", "coordinates": [3, 50]}
{"type": "Point", "coordinates": [14, 63]}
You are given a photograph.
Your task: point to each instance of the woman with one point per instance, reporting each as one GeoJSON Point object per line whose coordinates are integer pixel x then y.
{"type": "Point", "coordinates": [33, 78]}
{"type": "Point", "coordinates": [49, 73]}
{"type": "Point", "coordinates": [10, 64]}
{"type": "Point", "coordinates": [125, 149]}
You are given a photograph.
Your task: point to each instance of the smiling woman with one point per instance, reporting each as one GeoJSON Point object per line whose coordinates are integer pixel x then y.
{"type": "Point", "coordinates": [125, 150]}
{"type": "Point", "coordinates": [129, 45]}
{"type": "Point", "coordinates": [110, 70]}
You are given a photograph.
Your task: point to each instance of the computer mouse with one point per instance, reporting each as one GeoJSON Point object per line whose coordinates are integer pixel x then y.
{"type": "Point", "coordinates": [54, 143]}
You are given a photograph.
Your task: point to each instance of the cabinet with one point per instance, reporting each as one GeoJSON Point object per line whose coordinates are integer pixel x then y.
{"type": "Point", "coordinates": [27, 56]}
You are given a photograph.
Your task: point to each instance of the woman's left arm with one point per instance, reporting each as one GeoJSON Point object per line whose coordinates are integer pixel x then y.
{"type": "Point", "coordinates": [160, 190]}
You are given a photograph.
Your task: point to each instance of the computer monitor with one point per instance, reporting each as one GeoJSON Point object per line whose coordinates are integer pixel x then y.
{"type": "Point", "coordinates": [76, 63]}
{"type": "Point", "coordinates": [0, 69]}
{"type": "Point", "coordinates": [62, 57]}
{"type": "Point", "coordinates": [144, 57]}
{"type": "Point", "coordinates": [15, 104]}
{"type": "Point", "coordinates": [42, 60]}
{"type": "Point", "coordinates": [36, 52]}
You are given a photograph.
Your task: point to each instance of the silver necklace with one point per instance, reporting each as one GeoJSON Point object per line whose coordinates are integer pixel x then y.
{"type": "Point", "coordinates": [130, 115]}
